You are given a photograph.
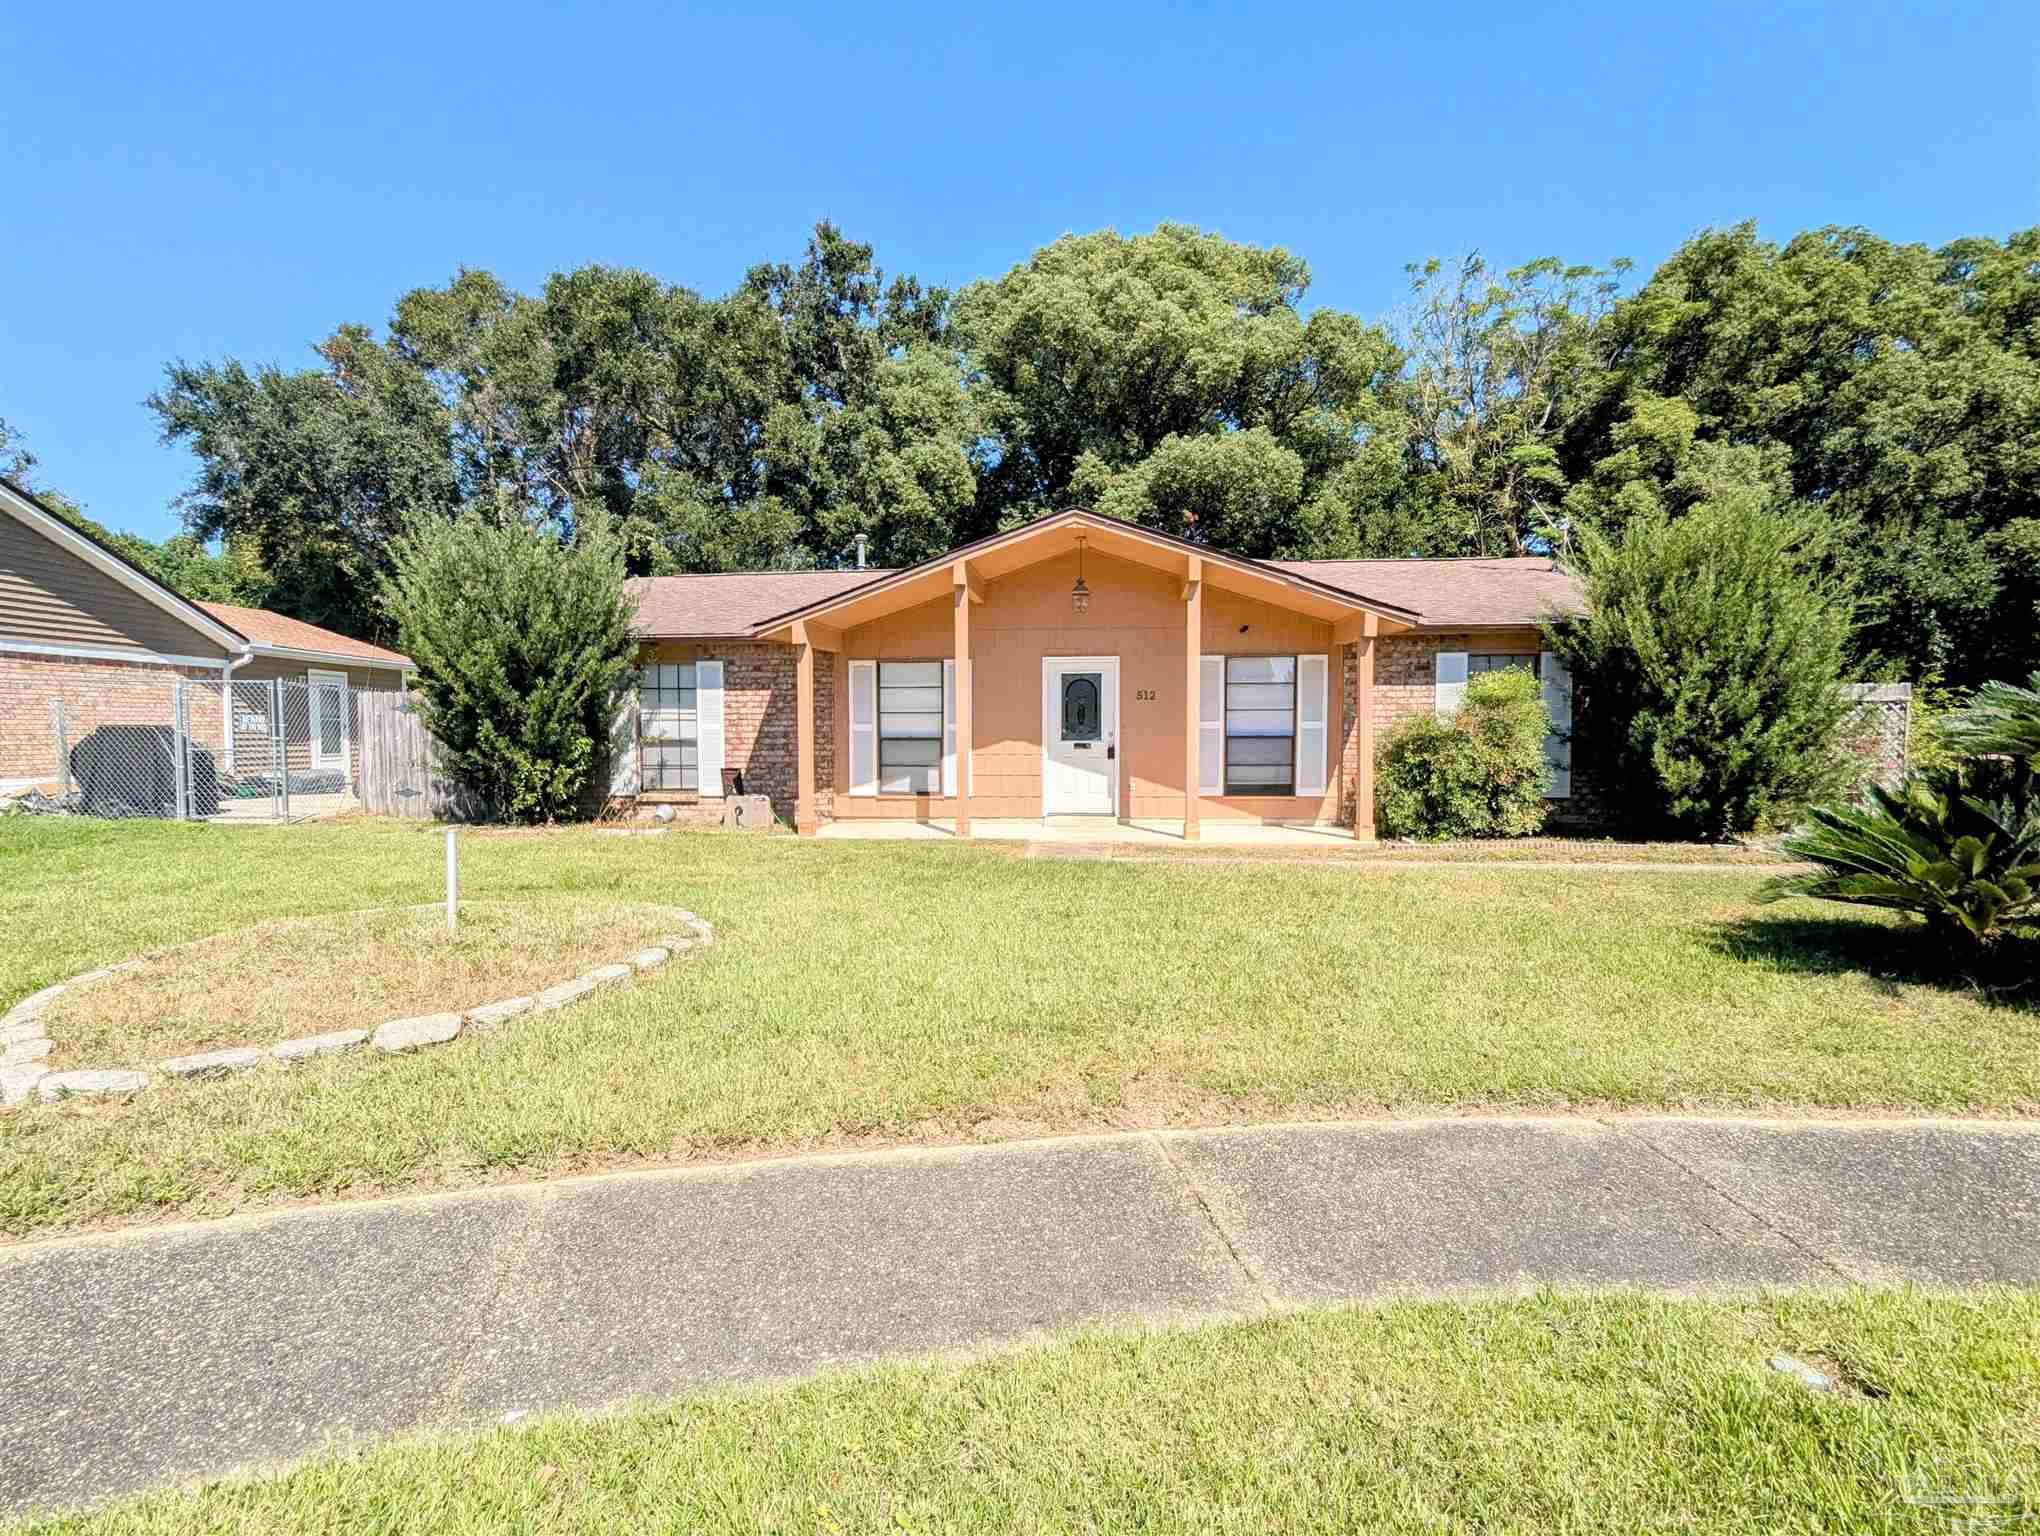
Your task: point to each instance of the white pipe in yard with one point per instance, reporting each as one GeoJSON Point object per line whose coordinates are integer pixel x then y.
{"type": "Point", "coordinates": [452, 881]}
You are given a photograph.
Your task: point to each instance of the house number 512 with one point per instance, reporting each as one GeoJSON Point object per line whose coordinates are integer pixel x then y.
{"type": "Point", "coordinates": [1144, 694]}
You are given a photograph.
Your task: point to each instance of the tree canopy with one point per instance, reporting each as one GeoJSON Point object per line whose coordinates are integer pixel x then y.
{"type": "Point", "coordinates": [1180, 380]}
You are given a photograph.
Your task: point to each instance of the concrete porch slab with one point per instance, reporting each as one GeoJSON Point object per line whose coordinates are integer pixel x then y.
{"type": "Point", "coordinates": [1093, 829]}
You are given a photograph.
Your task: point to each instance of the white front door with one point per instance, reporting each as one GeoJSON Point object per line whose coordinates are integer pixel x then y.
{"type": "Point", "coordinates": [1080, 736]}
{"type": "Point", "coordinates": [330, 728]}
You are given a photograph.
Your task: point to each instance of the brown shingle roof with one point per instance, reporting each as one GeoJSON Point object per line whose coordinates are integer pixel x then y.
{"type": "Point", "coordinates": [267, 628]}
{"type": "Point", "coordinates": [1449, 594]}
{"type": "Point", "coordinates": [731, 602]}
{"type": "Point", "coordinates": [1457, 594]}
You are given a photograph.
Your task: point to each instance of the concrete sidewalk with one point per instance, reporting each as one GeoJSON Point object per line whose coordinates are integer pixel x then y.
{"type": "Point", "coordinates": [164, 1354]}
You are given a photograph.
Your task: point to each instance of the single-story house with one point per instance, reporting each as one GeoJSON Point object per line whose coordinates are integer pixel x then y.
{"type": "Point", "coordinates": [1076, 666]}
{"type": "Point", "coordinates": [84, 628]}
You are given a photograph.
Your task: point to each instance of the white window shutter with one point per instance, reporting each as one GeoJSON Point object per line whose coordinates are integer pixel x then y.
{"type": "Point", "coordinates": [1210, 725]}
{"type": "Point", "coordinates": [1558, 704]}
{"type": "Point", "coordinates": [863, 727]}
{"type": "Point", "coordinates": [1313, 674]}
{"type": "Point", "coordinates": [708, 728]}
{"type": "Point", "coordinates": [949, 725]}
{"type": "Point", "coordinates": [1451, 688]}
{"type": "Point", "coordinates": [624, 779]}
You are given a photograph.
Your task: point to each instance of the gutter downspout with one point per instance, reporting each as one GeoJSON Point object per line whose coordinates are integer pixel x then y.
{"type": "Point", "coordinates": [227, 702]}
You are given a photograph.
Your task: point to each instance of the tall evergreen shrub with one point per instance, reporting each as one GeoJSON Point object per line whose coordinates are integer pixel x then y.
{"type": "Point", "coordinates": [522, 643]}
{"type": "Point", "coordinates": [1710, 662]}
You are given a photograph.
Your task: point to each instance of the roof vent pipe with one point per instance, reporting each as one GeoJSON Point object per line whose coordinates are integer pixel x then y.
{"type": "Point", "coordinates": [862, 540]}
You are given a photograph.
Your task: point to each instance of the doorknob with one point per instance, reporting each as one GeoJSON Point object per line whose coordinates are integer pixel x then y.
{"type": "Point", "coordinates": [1111, 753]}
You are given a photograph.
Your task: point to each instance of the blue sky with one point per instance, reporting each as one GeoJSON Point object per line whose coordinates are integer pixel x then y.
{"type": "Point", "coordinates": [224, 181]}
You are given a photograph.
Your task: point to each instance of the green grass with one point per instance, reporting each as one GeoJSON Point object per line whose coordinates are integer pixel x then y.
{"type": "Point", "coordinates": [866, 992]}
{"type": "Point", "coordinates": [1612, 1413]}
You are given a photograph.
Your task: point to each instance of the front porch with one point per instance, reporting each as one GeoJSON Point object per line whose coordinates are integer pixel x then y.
{"type": "Point", "coordinates": [1082, 665]}
{"type": "Point", "coordinates": [1092, 830]}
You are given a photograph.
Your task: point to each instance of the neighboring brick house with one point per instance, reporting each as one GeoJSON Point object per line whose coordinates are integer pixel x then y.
{"type": "Point", "coordinates": [85, 630]}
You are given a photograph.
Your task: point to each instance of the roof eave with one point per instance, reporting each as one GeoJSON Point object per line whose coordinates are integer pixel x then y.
{"type": "Point", "coordinates": [1041, 525]}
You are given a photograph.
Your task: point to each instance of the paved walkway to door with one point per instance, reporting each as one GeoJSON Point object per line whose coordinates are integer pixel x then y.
{"type": "Point", "coordinates": [156, 1355]}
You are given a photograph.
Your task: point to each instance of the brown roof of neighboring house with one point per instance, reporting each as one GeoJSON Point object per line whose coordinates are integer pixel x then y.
{"type": "Point", "coordinates": [267, 628]}
{"type": "Point", "coordinates": [1448, 594]}
{"type": "Point", "coordinates": [732, 602]}
{"type": "Point", "coordinates": [1458, 594]}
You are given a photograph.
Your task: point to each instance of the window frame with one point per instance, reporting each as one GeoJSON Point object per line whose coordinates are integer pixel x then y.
{"type": "Point", "coordinates": [1501, 661]}
{"type": "Point", "coordinates": [878, 718]}
{"type": "Point", "coordinates": [687, 720]}
{"type": "Point", "coordinates": [1226, 738]}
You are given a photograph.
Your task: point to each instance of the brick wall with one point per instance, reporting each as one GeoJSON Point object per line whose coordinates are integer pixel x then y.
{"type": "Point", "coordinates": [1405, 684]}
{"type": "Point", "coordinates": [760, 686]}
{"type": "Point", "coordinates": [93, 693]}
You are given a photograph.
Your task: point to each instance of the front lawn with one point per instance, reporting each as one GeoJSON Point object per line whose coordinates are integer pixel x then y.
{"type": "Point", "coordinates": [864, 992]}
{"type": "Point", "coordinates": [1597, 1414]}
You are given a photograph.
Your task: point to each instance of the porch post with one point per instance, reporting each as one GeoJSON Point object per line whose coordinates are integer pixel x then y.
{"type": "Point", "coordinates": [804, 820]}
{"type": "Point", "coordinates": [1193, 686]}
{"type": "Point", "coordinates": [963, 596]}
{"type": "Point", "coordinates": [1363, 799]}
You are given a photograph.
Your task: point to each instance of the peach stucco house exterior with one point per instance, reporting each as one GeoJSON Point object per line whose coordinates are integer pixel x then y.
{"type": "Point", "coordinates": [1183, 686]}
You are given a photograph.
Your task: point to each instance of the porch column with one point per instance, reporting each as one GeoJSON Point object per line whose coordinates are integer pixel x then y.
{"type": "Point", "coordinates": [964, 596]}
{"type": "Point", "coordinates": [1363, 798]}
{"type": "Point", "coordinates": [805, 821]}
{"type": "Point", "coordinates": [1193, 687]}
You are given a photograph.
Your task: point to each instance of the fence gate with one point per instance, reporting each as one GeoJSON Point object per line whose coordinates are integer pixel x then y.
{"type": "Point", "coordinates": [396, 757]}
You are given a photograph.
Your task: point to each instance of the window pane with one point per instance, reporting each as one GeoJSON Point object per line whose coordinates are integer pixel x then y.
{"type": "Point", "coordinates": [1495, 663]}
{"type": "Point", "coordinates": [1259, 696]}
{"type": "Point", "coordinates": [908, 781]}
{"type": "Point", "coordinates": [1260, 722]}
{"type": "Point", "coordinates": [897, 752]}
{"type": "Point", "coordinates": [1082, 718]}
{"type": "Point", "coordinates": [893, 700]}
{"type": "Point", "coordinates": [1259, 776]}
{"type": "Point", "coordinates": [910, 725]}
{"type": "Point", "coordinates": [1260, 751]}
{"type": "Point", "coordinates": [910, 674]}
{"type": "Point", "coordinates": [1260, 669]}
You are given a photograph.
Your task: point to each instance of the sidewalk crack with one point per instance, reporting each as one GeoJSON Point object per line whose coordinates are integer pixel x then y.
{"type": "Point", "coordinates": [506, 1263]}
{"type": "Point", "coordinates": [1777, 1229]}
{"type": "Point", "coordinates": [1248, 1271]}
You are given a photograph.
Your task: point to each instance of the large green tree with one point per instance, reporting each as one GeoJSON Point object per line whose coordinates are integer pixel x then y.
{"type": "Point", "coordinates": [1895, 387]}
{"type": "Point", "coordinates": [1173, 378]}
{"type": "Point", "coordinates": [315, 472]}
{"type": "Point", "coordinates": [1498, 362]}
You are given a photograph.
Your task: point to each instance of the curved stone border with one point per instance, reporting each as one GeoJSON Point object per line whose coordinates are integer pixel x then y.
{"type": "Point", "coordinates": [25, 1043]}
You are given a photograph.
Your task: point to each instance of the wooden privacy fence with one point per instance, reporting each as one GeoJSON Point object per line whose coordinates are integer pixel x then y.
{"type": "Point", "coordinates": [397, 777]}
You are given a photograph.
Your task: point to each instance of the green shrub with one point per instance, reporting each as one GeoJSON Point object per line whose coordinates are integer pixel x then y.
{"type": "Point", "coordinates": [1713, 647]}
{"type": "Point", "coordinates": [1957, 846]}
{"type": "Point", "coordinates": [1478, 773]}
{"type": "Point", "coordinates": [522, 643]}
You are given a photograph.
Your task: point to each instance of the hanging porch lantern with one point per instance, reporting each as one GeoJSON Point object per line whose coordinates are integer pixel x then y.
{"type": "Point", "coordinates": [1080, 595]}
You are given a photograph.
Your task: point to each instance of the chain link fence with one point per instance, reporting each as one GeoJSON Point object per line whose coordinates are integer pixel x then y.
{"type": "Point", "coordinates": [206, 749]}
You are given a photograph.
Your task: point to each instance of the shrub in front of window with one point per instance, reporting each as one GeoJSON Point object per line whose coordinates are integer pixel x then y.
{"type": "Point", "coordinates": [1479, 772]}
{"type": "Point", "coordinates": [522, 644]}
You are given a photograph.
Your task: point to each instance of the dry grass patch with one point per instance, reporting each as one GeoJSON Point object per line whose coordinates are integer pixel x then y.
{"type": "Point", "coordinates": [347, 970]}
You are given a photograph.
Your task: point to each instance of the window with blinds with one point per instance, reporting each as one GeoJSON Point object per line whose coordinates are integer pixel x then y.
{"type": "Point", "coordinates": [1260, 725]}
{"type": "Point", "coordinates": [669, 741]}
{"type": "Point", "coordinates": [909, 727]}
